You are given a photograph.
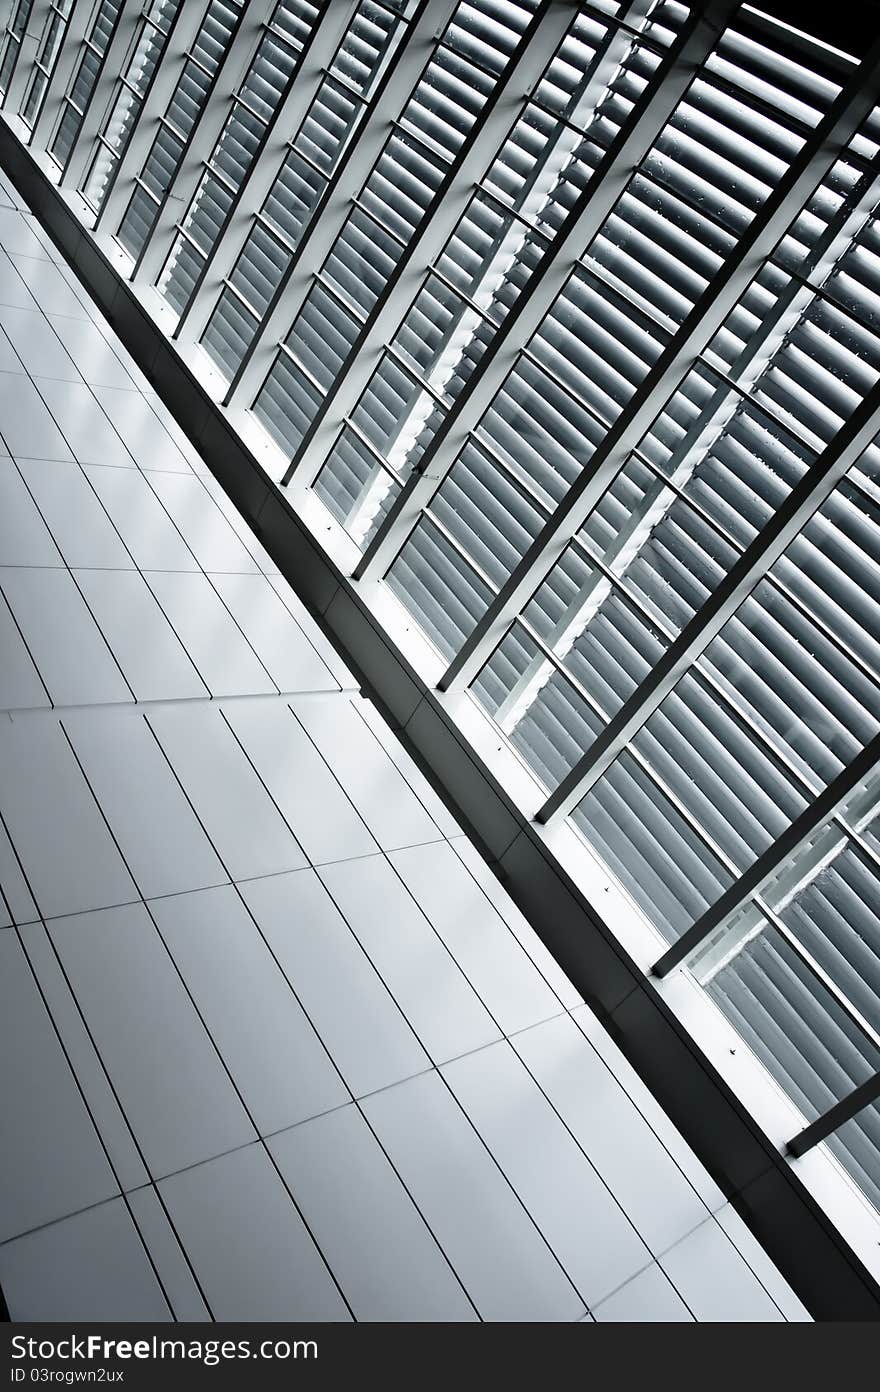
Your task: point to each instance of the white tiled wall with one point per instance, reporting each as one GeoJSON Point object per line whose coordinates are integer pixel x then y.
{"type": "Point", "coordinates": [277, 1044]}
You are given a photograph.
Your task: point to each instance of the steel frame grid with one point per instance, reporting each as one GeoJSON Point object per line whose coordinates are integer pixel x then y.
{"type": "Point", "coordinates": [770, 543]}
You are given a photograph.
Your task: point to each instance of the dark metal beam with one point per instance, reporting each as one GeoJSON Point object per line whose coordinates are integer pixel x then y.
{"type": "Point", "coordinates": [782, 849]}
{"type": "Point", "coordinates": [835, 1117]}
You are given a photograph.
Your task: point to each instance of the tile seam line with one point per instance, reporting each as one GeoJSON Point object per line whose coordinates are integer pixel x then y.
{"type": "Point", "coordinates": [318, 1036]}
{"type": "Point", "coordinates": [208, 1032]}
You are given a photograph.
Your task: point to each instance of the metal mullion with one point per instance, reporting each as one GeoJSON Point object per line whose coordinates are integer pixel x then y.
{"type": "Point", "coordinates": [371, 449]}
{"type": "Point", "coordinates": [683, 811]}
{"type": "Point", "coordinates": [523, 486]}
{"type": "Point", "coordinates": [383, 226]}
{"type": "Point", "coordinates": [827, 297]}
{"type": "Point", "coordinates": [770, 543]}
{"type": "Point", "coordinates": [339, 296]}
{"type": "Point", "coordinates": [527, 354]}
{"type": "Point", "coordinates": [209, 122]}
{"type": "Point", "coordinates": [166, 121]}
{"type": "Point", "coordinates": [641, 759]}
{"type": "Point", "coordinates": [292, 45]}
{"type": "Point", "coordinates": [830, 247]}
{"type": "Point", "coordinates": [554, 661]}
{"type": "Point", "coordinates": [865, 849]}
{"type": "Point", "coordinates": [156, 198]}
{"type": "Point", "coordinates": [293, 148]}
{"type": "Point", "coordinates": [444, 211]}
{"type": "Point", "coordinates": [549, 656]}
{"type": "Point", "coordinates": [695, 436]}
{"type": "Point", "coordinates": [284, 351]}
{"type": "Point", "coordinates": [763, 408]}
{"type": "Point", "coordinates": [507, 211]}
{"type": "Point", "coordinates": [239, 100]}
{"type": "Point", "coordinates": [620, 586]}
{"type": "Point", "coordinates": [674, 363]}
{"type": "Point", "coordinates": [683, 197]}
{"type": "Point", "coordinates": [622, 26]}
{"type": "Point", "coordinates": [208, 167]}
{"type": "Point", "coordinates": [459, 549]}
{"type": "Point", "coordinates": [393, 352]}
{"type": "Point", "coordinates": [783, 849]}
{"type": "Point", "coordinates": [342, 81]}
{"type": "Point", "coordinates": [433, 152]}
{"type": "Point", "coordinates": [824, 1126]}
{"type": "Point", "coordinates": [188, 237]}
{"type": "Point", "coordinates": [476, 63]}
{"type": "Point", "coordinates": [581, 225]}
{"type": "Point", "coordinates": [391, 93]}
{"type": "Point", "coordinates": [659, 783]}
{"type": "Point", "coordinates": [234, 291]}
{"type": "Point", "coordinates": [730, 702]}
{"type": "Point", "coordinates": [617, 289]}
{"type": "Point", "coordinates": [271, 229]}
{"type": "Point", "coordinates": [68, 101]}
{"type": "Point", "coordinates": [838, 235]}
{"type": "Point", "coordinates": [659, 622]}
{"type": "Point", "coordinates": [27, 48]}
{"type": "Point", "coordinates": [132, 157]}
{"type": "Point", "coordinates": [66, 62]}
{"type": "Point", "coordinates": [806, 958]}
{"type": "Point", "coordinates": [461, 294]}
{"type": "Point", "coordinates": [678, 490]}
{"type": "Point", "coordinates": [192, 57]}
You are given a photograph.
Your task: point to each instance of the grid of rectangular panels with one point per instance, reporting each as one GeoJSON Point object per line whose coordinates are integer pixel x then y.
{"type": "Point", "coordinates": [146, 52]}
{"type": "Point", "coordinates": [176, 125]}
{"type": "Point", "coordinates": [294, 199]}
{"type": "Point", "coordinates": [419, 154]}
{"type": "Point", "coordinates": [271, 70]}
{"type": "Point", "coordinates": [86, 74]}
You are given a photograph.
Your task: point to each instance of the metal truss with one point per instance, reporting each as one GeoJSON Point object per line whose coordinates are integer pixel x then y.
{"type": "Point", "coordinates": [186, 27]}
{"type": "Point", "coordinates": [697, 39]}
{"type": "Point", "coordinates": [807, 170]}
{"type": "Point", "coordinates": [252, 193]}
{"type": "Point", "coordinates": [358, 159]}
{"type": "Point", "coordinates": [202, 139]}
{"type": "Point", "coordinates": [114, 59]}
{"type": "Point", "coordinates": [524, 70]}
